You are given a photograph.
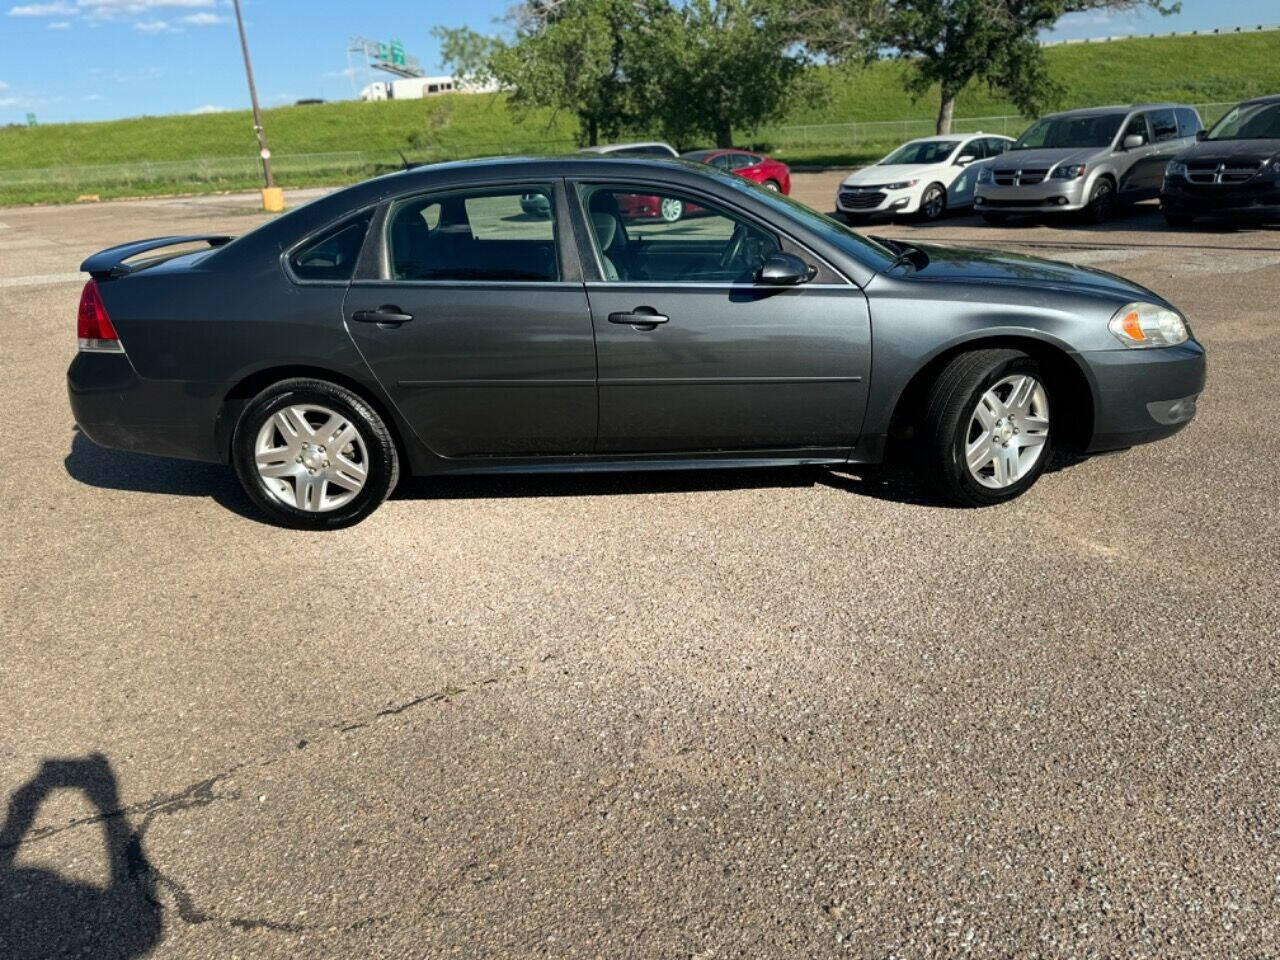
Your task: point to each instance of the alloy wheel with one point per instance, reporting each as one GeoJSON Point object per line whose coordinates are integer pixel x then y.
{"type": "Point", "coordinates": [311, 458]}
{"type": "Point", "coordinates": [934, 200]}
{"type": "Point", "coordinates": [1007, 431]}
{"type": "Point", "coordinates": [670, 209]}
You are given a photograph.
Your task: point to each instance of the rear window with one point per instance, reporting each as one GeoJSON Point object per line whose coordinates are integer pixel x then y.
{"type": "Point", "coordinates": [1188, 122]}
{"type": "Point", "coordinates": [1164, 125]}
{"type": "Point", "coordinates": [504, 234]}
{"type": "Point", "coordinates": [334, 255]}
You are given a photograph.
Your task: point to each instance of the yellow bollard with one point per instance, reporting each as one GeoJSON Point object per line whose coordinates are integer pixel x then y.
{"type": "Point", "coordinates": [272, 199]}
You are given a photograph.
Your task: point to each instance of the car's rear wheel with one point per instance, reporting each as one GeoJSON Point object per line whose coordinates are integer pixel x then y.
{"type": "Point", "coordinates": [933, 202]}
{"type": "Point", "coordinates": [313, 455]}
{"type": "Point", "coordinates": [773, 185]}
{"type": "Point", "coordinates": [670, 209]}
{"type": "Point", "coordinates": [985, 437]}
{"type": "Point", "coordinates": [1102, 202]}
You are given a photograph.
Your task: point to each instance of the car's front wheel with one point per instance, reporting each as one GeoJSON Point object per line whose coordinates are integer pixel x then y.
{"type": "Point", "coordinates": [933, 202]}
{"type": "Point", "coordinates": [984, 437]}
{"type": "Point", "coordinates": [313, 455]}
{"type": "Point", "coordinates": [1102, 202]}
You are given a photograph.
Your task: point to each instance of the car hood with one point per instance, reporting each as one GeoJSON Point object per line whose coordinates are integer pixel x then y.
{"type": "Point", "coordinates": [881, 174]}
{"type": "Point", "coordinates": [1021, 159]}
{"type": "Point", "coordinates": [1257, 150]}
{"type": "Point", "coordinates": [996, 266]}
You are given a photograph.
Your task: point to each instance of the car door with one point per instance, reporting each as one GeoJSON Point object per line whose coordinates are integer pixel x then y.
{"type": "Point", "coordinates": [695, 356]}
{"type": "Point", "coordinates": [476, 324]}
{"type": "Point", "coordinates": [965, 175]}
{"type": "Point", "coordinates": [1166, 143]}
{"type": "Point", "coordinates": [1134, 164]}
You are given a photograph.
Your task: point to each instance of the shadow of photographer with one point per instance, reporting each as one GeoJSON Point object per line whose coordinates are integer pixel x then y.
{"type": "Point", "coordinates": [43, 914]}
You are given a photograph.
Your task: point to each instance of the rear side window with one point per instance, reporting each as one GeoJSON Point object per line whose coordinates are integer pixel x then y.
{"type": "Point", "coordinates": [1164, 125]}
{"type": "Point", "coordinates": [1188, 122]}
{"type": "Point", "coordinates": [507, 234]}
{"type": "Point", "coordinates": [333, 256]}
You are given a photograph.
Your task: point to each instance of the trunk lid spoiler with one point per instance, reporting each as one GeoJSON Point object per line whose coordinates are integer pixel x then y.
{"type": "Point", "coordinates": [109, 263]}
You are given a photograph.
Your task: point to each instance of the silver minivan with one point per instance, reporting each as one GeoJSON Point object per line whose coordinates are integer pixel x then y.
{"type": "Point", "coordinates": [1086, 161]}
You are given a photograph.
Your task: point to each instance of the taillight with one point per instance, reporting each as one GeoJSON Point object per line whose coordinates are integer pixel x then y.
{"type": "Point", "coordinates": [93, 326]}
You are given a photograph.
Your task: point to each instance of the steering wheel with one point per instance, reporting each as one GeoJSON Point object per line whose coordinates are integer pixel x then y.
{"type": "Point", "coordinates": [733, 249]}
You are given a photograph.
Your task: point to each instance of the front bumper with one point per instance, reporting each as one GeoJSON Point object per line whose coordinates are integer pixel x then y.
{"type": "Point", "coordinates": [1053, 196]}
{"type": "Point", "coordinates": [1143, 395]}
{"type": "Point", "coordinates": [876, 202]}
{"type": "Point", "coordinates": [114, 407]}
{"type": "Point", "coordinates": [1258, 200]}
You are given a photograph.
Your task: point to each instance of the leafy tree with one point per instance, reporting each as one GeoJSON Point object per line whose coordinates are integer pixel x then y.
{"type": "Point", "coordinates": [953, 42]}
{"type": "Point", "coordinates": [708, 66]}
{"type": "Point", "coordinates": [565, 55]}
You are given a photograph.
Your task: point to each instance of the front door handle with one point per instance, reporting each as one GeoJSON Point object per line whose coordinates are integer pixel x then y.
{"type": "Point", "coordinates": [639, 317]}
{"type": "Point", "coordinates": [387, 314]}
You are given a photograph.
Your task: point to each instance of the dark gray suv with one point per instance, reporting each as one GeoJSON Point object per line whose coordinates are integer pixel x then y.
{"type": "Point", "coordinates": [1086, 161]}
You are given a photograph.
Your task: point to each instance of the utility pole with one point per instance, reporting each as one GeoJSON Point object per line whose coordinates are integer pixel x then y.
{"type": "Point", "coordinates": [263, 152]}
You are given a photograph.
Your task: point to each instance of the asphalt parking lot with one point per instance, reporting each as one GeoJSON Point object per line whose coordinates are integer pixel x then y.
{"type": "Point", "coordinates": [770, 715]}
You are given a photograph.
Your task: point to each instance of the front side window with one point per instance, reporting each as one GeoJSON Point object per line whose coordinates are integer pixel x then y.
{"type": "Point", "coordinates": [1164, 125]}
{"type": "Point", "coordinates": [670, 237]}
{"type": "Point", "coordinates": [1137, 128]}
{"type": "Point", "coordinates": [333, 256]}
{"type": "Point", "coordinates": [504, 234]}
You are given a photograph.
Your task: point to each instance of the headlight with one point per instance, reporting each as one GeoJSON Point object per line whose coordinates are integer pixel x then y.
{"type": "Point", "coordinates": [1175, 168]}
{"type": "Point", "coordinates": [1068, 171]}
{"type": "Point", "coordinates": [901, 184]}
{"type": "Point", "coordinates": [1148, 325]}
{"type": "Point", "coordinates": [985, 175]}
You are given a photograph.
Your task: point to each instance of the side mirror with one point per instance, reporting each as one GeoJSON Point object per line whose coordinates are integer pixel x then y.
{"type": "Point", "coordinates": [1201, 134]}
{"type": "Point", "coordinates": [965, 160]}
{"type": "Point", "coordinates": [784, 270]}
{"type": "Point", "coordinates": [1133, 141]}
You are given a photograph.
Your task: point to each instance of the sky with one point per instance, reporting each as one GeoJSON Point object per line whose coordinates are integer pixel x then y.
{"type": "Point", "coordinates": [67, 60]}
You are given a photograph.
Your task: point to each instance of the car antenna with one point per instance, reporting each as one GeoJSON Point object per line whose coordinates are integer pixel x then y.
{"type": "Point", "coordinates": [407, 164]}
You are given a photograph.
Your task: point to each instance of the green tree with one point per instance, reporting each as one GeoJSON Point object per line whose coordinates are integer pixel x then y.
{"type": "Point", "coordinates": [951, 43]}
{"type": "Point", "coordinates": [707, 67]}
{"type": "Point", "coordinates": [565, 55]}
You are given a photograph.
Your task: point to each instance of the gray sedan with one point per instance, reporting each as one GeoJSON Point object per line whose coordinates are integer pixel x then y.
{"type": "Point", "coordinates": [425, 323]}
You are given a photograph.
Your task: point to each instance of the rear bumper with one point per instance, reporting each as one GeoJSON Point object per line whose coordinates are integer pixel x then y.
{"type": "Point", "coordinates": [1143, 395]}
{"type": "Point", "coordinates": [114, 407]}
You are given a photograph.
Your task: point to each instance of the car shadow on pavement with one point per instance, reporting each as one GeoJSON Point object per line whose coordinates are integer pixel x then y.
{"type": "Point", "coordinates": [110, 469]}
{"type": "Point", "coordinates": [43, 914]}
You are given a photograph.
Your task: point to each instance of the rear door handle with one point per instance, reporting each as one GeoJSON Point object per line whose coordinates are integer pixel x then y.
{"type": "Point", "coordinates": [640, 317]}
{"type": "Point", "coordinates": [385, 314]}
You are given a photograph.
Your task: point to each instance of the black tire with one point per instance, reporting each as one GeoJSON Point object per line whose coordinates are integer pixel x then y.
{"type": "Point", "coordinates": [944, 427]}
{"type": "Point", "coordinates": [382, 461]}
{"type": "Point", "coordinates": [1102, 202]}
{"type": "Point", "coordinates": [938, 210]}
{"type": "Point", "coordinates": [1177, 219]}
{"type": "Point", "coordinates": [996, 219]}
{"type": "Point", "coordinates": [772, 185]}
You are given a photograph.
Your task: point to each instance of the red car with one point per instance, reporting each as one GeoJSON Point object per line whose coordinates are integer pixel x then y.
{"type": "Point", "coordinates": [753, 166]}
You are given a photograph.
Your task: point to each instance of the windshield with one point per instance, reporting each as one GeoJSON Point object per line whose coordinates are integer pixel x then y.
{"type": "Point", "coordinates": [921, 151]}
{"type": "Point", "coordinates": [1257, 121]}
{"type": "Point", "coordinates": [1096, 130]}
{"type": "Point", "coordinates": [874, 255]}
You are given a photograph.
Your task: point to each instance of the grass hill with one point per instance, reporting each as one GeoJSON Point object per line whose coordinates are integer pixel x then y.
{"type": "Point", "coordinates": [336, 142]}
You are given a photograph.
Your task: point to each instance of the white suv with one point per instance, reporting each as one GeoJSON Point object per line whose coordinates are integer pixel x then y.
{"type": "Point", "coordinates": [924, 177]}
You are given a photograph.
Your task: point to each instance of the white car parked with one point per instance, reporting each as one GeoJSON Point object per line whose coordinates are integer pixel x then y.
{"type": "Point", "coordinates": [924, 177]}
